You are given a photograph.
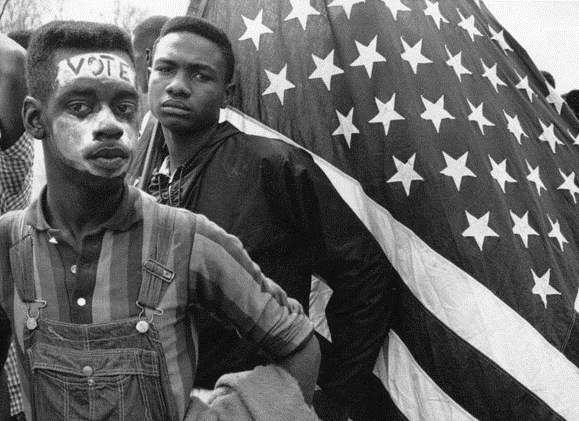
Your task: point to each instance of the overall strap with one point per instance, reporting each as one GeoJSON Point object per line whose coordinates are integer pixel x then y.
{"type": "Point", "coordinates": [156, 274]}
{"type": "Point", "coordinates": [22, 258]}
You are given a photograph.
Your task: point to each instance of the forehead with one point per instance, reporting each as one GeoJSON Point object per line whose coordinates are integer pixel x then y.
{"type": "Point", "coordinates": [189, 46]}
{"type": "Point", "coordinates": [72, 66]}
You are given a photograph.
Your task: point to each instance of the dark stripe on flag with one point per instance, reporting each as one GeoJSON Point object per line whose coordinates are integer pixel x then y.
{"type": "Point", "coordinates": [474, 381]}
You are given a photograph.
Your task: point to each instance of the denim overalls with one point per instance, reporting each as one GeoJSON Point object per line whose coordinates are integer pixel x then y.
{"type": "Point", "coordinates": [105, 371]}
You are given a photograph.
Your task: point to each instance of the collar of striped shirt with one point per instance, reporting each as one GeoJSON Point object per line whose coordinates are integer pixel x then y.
{"type": "Point", "coordinates": [127, 214]}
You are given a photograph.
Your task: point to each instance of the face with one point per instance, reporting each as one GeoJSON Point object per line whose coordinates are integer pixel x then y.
{"type": "Point", "coordinates": [187, 86]}
{"type": "Point", "coordinates": [91, 115]}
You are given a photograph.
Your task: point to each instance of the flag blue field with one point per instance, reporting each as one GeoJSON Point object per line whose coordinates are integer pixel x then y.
{"type": "Point", "coordinates": [443, 136]}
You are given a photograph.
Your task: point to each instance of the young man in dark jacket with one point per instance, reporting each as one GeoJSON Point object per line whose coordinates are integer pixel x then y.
{"type": "Point", "coordinates": [288, 215]}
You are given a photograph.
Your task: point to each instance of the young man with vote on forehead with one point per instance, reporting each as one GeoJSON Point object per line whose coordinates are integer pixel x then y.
{"type": "Point", "coordinates": [100, 281]}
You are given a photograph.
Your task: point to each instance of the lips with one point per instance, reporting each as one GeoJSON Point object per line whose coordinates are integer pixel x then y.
{"type": "Point", "coordinates": [109, 153]}
{"type": "Point", "coordinates": [174, 106]}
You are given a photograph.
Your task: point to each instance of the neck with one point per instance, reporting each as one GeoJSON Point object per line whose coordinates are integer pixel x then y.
{"type": "Point", "coordinates": [183, 146]}
{"type": "Point", "coordinates": [78, 210]}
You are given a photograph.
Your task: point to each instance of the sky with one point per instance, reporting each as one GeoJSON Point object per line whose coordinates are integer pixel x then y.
{"type": "Point", "coordinates": [547, 29]}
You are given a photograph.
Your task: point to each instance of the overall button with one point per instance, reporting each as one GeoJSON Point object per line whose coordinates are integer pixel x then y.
{"type": "Point", "coordinates": [81, 302]}
{"type": "Point", "coordinates": [87, 371]}
{"type": "Point", "coordinates": [73, 268]}
{"type": "Point", "coordinates": [31, 323]}
{"type": "Point", "coordinates": [142, 326]}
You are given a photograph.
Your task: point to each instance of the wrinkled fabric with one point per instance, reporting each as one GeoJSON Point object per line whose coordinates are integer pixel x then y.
{"type": "Point", "coordinates": [294, 224]}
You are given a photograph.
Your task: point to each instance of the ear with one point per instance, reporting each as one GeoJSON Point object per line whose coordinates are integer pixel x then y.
{"type": "Point", "coordinates": [229, 92]}
{"type": "Point", "coordinates": [31, 116]}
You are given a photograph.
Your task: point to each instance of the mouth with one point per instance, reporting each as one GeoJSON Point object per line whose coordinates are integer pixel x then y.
{"type": "Point", "coordinates": [109, 157]}
{"type": "Point", "coordinates": [172, 106]}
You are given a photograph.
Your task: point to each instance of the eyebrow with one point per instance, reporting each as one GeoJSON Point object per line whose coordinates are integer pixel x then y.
{"type": "Point", "coordinates": [194, 66]}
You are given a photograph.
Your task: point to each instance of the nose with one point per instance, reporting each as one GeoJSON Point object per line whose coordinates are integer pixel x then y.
{"type": "Point", "coordinates": [179, 85]}
{"type": "Point", "coordinates": [107, 126]}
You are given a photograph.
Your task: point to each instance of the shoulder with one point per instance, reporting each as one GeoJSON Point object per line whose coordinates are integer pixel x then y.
{"type": "Point", "coordinates": [6, 224]}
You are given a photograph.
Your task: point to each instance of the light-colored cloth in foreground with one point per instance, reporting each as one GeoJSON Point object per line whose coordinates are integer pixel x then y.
{"type": "Point", "coordinates": [267, 393]}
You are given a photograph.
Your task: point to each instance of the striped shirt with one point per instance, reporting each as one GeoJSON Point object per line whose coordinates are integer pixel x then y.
{"type": "Point", "coordinates": [100, 282]}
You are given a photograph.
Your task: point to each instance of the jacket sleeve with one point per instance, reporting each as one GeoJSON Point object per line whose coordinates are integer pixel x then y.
{"type": "Point", "coordinates": [348, 258]}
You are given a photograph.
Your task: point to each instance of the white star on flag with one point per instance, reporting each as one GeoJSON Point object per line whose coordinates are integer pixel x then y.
{"type": "Point", "coordinates": [346, 127]}
{"type": "Point", "coordinates": [468, 25]}
{"type": "Point", "coordinates": [325, 69]}
{"type": "Point", "coordinates": [386, 113]}
{"type": "Point", "coordinates": [396, 6]}
{"type": "Point", "coordinates": [435, 112]}
{"type": "Point", "coordinates": [555, 99]}
{"type": "Point", "coordinates": [346, 5]}
{"type": "Point", "coordinates": [413, 55]}
{"type": "Point", "coordinates": [548, 136]}
{"type": "Point", "coordinates": [368, 55]}
{"type": "Point", "coordinates": [500, 38]}
{"type": "Point", "coordinates": [255, 29]}
{"type": "Point", "coordinates": [456, 168]}
{"type": "Point", "coordinates": [433, 11]}
{"type": "Point", "coordinates": [535, 177]}
{"type": "Point", "coordinates": [522, 227]}
{"type": "Point", "coordinates": [405, 174]}
{"type": "Point", "coordinates": [542, 287]}
{"type": "Point", "coordinates": [456, 63]}
{"type": "Point", "coordinates": [514, 126]}
{"type": "Point", "coordinates": [278, 83]}
{"type": "Point", "coordinates": [499, 173]}
{"type": "Point", "coordinates": [491, 74]}
{"type": "Point", "coordinates": [301, 9]}
{"type": "Point", "coordinates": [477, 115]}
{"type": "Point", "coordinates": [575, 138]}
{"type": "Point", "coordinates": [569, 184]}
{"type": "Point", "coordinates": [479, 229]}
{"type": "Point", "coordinates": [524, 84]}
{"type": "Point", "coordinates": [556, 232]}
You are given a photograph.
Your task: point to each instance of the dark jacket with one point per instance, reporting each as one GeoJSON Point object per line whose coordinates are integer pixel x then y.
{"type": "Point", "coordinates": [294, 224]}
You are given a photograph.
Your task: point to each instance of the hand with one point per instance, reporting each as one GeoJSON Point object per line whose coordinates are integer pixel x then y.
{"type": "Point", "coordinates": [295, 306]}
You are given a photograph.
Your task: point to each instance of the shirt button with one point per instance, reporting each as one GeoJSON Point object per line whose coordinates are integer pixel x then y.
{"type": "Point", "coordinates": [73, 268]}
{"type": "Point", "coordinates": [87, 371]}
{"type": "Point", "coordinates": [81, 302]}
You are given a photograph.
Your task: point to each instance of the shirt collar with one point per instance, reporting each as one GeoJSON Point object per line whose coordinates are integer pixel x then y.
{"type": "Point", "coordinates": [127, 214]}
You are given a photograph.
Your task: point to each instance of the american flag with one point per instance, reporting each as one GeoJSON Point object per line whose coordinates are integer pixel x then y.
{"type": "Point", "coordinates": [437, 128]}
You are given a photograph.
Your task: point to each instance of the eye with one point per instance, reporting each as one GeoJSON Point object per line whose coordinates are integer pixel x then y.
{"type": "Point", "coordinates": [126, 109]}
{"type": "Point", "coordinates": [78, 108]}
{"type": "Point", "coordinates": [163, 69]}
{"type": "Point", "coordinates": [202, 77]}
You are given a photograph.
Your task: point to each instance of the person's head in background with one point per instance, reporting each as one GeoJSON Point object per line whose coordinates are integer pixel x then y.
{"type": "Point", "coordinates": [572, 99]}
{"type": "Point", "coordinates": [21, 36]}
{"type": "Point", "coordinates": [549, 78]}
{"type": "Point", "coordinates": [143, 38]}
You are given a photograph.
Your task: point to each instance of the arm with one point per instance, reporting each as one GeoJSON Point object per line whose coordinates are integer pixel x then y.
{"type": "Point", "coordinates": [303, 365]}
{"type": "Point", "coordinates": [228, 283]}
{"type": "Point", "coordinates": [12, 90]}
{"type": "Point", "coordinates": [348, 258]}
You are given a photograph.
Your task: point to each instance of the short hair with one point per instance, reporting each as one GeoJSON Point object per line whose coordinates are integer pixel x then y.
{"type": "Point", "coordinates": [549, 78]}
{"type": "Point", "coordinates": [74, 35]}
{"type": "Point", "coordinates": [206, 29]}
{"type": "Point", "coordinates": [146, 32]}
{"type": "Point", "coordinates": [21, 36]}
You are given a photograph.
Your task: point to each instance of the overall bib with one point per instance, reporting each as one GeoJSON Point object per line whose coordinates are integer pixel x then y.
{"type": "Point", "coordinates": [106, 371]}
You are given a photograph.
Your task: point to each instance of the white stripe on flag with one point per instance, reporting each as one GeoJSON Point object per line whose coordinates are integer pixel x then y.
{"type": "Point", "coordinates": [458, 300]}
{"type": "Point", "coordinates": [415, 394]}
